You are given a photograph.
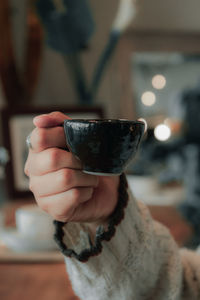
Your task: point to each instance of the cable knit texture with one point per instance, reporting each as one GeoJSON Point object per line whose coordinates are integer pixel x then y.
{"type": "Point", "coordinates": [141, 262]}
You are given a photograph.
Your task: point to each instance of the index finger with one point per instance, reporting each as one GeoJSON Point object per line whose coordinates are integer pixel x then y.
{"type": "Point", "coordinates": [47, 137]}
{"type": "Point", "coordinates": [53, 119]}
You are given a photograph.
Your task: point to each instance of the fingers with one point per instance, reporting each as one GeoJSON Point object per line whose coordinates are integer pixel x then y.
{"type": "Point", "coordinates": [63, 205]}
{"type": "Point", "coordinates": [50, 120]}
{"type": "Point", "coordinates": [82, 203]}
{"type": "Point", "coordinates": [60, 188]}
{"type": "Point", "coordinates": [60, 182]}
{"type": "Point", "coordinates": [43, 138]}
{"type": "Point", "coordinates": [50, 160]}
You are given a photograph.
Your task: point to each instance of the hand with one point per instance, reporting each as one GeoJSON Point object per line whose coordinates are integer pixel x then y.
{"type": "Point", "coordinates": [57, 182]}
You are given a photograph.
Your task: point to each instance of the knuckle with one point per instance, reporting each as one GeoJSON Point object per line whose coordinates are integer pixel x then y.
{"type": "Point", "coordinates": [43, 205]}
{"type": "Point", "coordinates": [76, 195]}
{"type": "Point", "coordinates": [26, 169]}
{"type": "Point", "coordinates": [54, 158]}
{"type": "Point", "coordinates": [31, 187]}
{"type": "Point", "coordinates": [40, 138]}
{"type": "Point", "coordinates": [65, 177]}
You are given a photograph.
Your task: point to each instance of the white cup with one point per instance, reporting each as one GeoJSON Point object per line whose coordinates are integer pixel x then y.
{"type": "Point", "coordinates": [32, 222]}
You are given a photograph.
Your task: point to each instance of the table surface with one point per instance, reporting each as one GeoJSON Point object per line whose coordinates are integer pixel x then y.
{"type": "Point", "coordinates": [33, 281]}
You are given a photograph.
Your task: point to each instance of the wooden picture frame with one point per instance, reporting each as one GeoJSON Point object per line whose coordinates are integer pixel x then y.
{"type": "Point", "coordinates": [16, 125]}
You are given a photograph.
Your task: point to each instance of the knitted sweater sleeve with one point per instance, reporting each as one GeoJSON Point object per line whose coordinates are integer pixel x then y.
{"type": "Point", "coordinates": [140, 262]}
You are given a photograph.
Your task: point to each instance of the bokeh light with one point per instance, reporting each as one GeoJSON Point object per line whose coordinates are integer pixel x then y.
{"type": "Point", "coordinates": [159, 81]}
{"type": "Point", "coordinates": [162, 132]}
{"type": "Point", "coordinates": [148, 98]}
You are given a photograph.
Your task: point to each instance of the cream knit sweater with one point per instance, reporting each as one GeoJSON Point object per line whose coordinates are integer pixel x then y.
{"type": "Point", "coordinates": [141, 262]}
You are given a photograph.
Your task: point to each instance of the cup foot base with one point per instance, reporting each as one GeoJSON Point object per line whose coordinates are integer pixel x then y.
{"type": "Point", "coordinates": [101, 174]}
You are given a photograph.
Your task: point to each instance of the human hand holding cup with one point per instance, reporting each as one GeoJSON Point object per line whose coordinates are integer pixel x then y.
{"type": "Point", "coordinates": [56, 178]}
{"type": "Point", "coordinates": [104, 146]}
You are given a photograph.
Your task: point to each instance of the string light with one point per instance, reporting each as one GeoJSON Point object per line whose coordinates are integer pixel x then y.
{"type": "Point", "coordinates": [148, 98]}
{"type": "Point", "coordinates": [159, 81]}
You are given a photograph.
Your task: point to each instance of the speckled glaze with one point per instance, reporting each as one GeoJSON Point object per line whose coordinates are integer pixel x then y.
{"type": "Point", "coordinates": [103, 146]}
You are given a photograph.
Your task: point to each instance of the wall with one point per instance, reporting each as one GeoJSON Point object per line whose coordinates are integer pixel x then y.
{"type": "Point", "coordinates": [170, 15]}
{"type": "Point", "coordinates": [54, 84]}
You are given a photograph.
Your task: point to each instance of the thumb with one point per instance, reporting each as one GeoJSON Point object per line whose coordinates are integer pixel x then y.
{"type": "Point", "coordinates": [53, 119]}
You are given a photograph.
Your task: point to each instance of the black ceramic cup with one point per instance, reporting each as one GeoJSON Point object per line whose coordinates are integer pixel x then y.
{"type": "Point", "coordinates": [105, 147]}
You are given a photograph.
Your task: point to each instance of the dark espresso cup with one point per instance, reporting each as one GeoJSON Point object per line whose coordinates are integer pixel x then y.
{"type": "Point", "coordinates": [104, 146]}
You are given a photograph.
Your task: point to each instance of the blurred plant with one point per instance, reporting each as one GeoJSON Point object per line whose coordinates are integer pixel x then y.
{"type": "Point", "coordinates": [69, 26]}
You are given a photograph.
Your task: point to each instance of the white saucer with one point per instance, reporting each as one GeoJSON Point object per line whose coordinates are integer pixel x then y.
{"type": "Point", "coordinates": [17, 242]}
{"type": "Point", "coordinates": [101, 174]}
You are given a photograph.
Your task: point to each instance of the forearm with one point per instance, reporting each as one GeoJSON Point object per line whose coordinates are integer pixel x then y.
{"type": "Point", "coordinates": [140, 262]}
{"type": "Point", "coordinates": [130, 264]}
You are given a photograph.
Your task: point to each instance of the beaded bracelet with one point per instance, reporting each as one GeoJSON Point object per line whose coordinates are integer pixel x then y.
{"type": "Point", "coordinates": [101, 234]}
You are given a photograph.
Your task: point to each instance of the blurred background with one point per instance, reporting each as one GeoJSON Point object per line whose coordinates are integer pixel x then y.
{"type": "Point", "coordinates": [117, 59]}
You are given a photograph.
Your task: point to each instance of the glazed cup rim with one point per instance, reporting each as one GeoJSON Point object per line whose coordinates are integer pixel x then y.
{"type": "Point", "coordinates": [123, 121]}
